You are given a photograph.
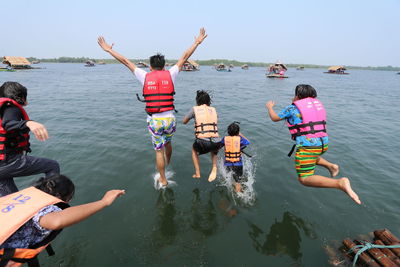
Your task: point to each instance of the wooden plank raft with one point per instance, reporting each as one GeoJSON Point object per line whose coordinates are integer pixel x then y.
{"type": "Point", "coordinates": [376, 256]}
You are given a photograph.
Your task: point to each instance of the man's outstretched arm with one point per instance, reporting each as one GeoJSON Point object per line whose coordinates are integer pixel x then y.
{"type": "Point", "coordinates": [108, 48]}
{"type": "Point", "coordinates": [199, 39]}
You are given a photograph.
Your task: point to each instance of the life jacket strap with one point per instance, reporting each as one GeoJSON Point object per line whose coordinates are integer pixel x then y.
{"type": "Point", "coordinates": [164, 94]}
{"type": "Point", "coordinates": [201, 125]}
{"type": "Point", "coordinates": [7, 256]}
{"type": "Point", "coordinates": [298, 127]}
{"type": "Point", "coordinates": [291, 150]}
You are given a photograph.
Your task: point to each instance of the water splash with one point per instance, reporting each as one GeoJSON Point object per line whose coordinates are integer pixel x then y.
{"type": "Point", "coordinates": [248, 196]}
{"type": "Point", "coordinates": [168, 174]}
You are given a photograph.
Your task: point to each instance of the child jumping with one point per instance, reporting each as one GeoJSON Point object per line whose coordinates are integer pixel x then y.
{"type": "Point", "coordinates": [205, 131]}
{"type": "Point", "coordinates": [234, 144]}
{"type": "Point", "coordinates": [306, 119]}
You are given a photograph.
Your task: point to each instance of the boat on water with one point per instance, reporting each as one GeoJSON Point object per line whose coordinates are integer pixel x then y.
{"type": "Point", "coordinates": [141, 65]}
{"type": "Point", "coordinates": [300, 68]}
{"type": "Point", "coordinates": [245, 67]}
{"type": "Point", "coordinates": [398, 73]}
{"type": "Point", "coordinates": [16, 63]}
{"type": "Point", "coordinates": [222, 67]}
{"type": "Point", "coordinates": [190, 65]}
{"type": "Point", "coordinates": [277, 70]}
{"type": "Point", "coordinates": [336, 70]}
{"type": "Point", "coordinates": [35, 61]}
{"type": "Point", "coordinates": [89, 63]}
{"type": "Point", "coordinates": [101, 63]}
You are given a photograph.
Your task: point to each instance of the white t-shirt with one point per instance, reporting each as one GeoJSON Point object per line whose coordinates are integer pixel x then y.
{"type": "Point", "coordinates": [141, 76]}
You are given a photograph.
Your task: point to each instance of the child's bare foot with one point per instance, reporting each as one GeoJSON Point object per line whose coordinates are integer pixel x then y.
{"type": "Point", "coordinates": [238, 188]}
{"type": "Point", "coordinates": [346, 187]}
{"type": "Point", "coordinates": [213, 175]}
{"type": "Point", "coordinates": [334, 170]}
{"type": "Point", "coordinates": [163, 182]}
{"type": "Point", "coordinates": [197, 176]}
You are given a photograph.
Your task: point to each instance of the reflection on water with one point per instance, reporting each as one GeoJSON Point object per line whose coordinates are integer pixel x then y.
{"type": "Point", "coordinates": [166, 228]}
{"type": "Point", "coordinates": [283, 237]}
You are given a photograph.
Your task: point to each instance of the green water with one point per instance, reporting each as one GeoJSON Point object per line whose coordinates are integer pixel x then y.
{"type": "Point", "coordinates": [99, 136]}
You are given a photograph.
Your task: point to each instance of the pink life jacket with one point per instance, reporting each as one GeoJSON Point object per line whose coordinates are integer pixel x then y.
{"type": "Point", "coordinates": [314, 119]}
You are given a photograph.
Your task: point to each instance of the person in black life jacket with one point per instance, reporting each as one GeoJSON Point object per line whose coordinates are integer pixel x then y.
{"type": "Point", "coordinates": [306, 119]}
{"type": "Point", "coordinates": [206, 132]}
{"type": "Point", "coordinates": [14, 139]}
{"type": "Point", "coordinates": [45, 214]}
{"type": "Point", "coordinates": [158, 93]}
{"type": "Point", "coordinates": [234, 143]}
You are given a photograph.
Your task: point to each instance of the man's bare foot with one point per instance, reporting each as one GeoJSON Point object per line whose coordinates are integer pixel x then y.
{"type": "Point", "coordinates": [163, 182]}
{"type": "Point", "coordinates": [213, 175]}
{"type": "Point", "coordinates": [334, 170]}
{"type": "Point", "coordinates": [346, 187]}
{"type": "Point", "coordinates": [197, 176]}
{"type": "Point", "coordinates": [238, 188]}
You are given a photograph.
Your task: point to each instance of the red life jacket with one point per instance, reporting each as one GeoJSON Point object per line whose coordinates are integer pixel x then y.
{"type": "Point", "coordinates": [13, 141]}
{"type": "Point", "coordinates": [15, 210]}
{"type": "Point", "coordinates": [158, 91]}
{"type": "Point", "coordinates": [314, 119]}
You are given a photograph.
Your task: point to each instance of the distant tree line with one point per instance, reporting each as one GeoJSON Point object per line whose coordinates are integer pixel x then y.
{"type": "Point", "coordinates": [209, 62]}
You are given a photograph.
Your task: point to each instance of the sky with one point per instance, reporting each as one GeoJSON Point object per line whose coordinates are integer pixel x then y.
{"type": "Point", "coordinates": [341, 32]}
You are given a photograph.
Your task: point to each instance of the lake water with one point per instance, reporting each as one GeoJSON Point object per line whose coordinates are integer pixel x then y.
{"type": "Point", "coordinates": [99, 136]}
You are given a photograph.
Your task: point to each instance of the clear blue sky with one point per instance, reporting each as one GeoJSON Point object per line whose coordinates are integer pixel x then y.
{"type": "Point", "coordinates": [349, 32]}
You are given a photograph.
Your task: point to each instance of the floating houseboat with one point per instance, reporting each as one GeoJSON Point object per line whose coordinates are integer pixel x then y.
{"type": "Point", "coordinates": [336, 70]}
{"type": "Point", "coordinates": [245, 67]}
{"type": "Point", "coordinates": [277, 70]}
{"type": "Point", "coordinates": [35, 61]}
{"type": "Point", "coordinates": [142, 65]}
{"type": "Point", "coordinates": [222, 67]}
{"type": "Point", "coordinates": [101, 63]}
{"type": "Point", "coordinates": [89, 63]}
{"type": "Point", "coordinates": [190, 65]}
{"type": "Point", "coordinates": [300, 68]}
{"type": "Point", "coordinates": [17, 63]}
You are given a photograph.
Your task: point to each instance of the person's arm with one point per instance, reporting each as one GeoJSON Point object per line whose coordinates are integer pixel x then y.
{"type": "Point", "coordinates": [271, 112]}
{"type": "Point", "coordinates": [108, 48]}
{"type": "Point", "coordinates": [199, 39]}
{"type": "Point", "coordinates": [188, 116]}
{"type": "Point", "coordinates": [12, 119]}
{"type": "Point", "coordinates": [242, 135]}
{"type": "Point", "coordinates": [73, 215]}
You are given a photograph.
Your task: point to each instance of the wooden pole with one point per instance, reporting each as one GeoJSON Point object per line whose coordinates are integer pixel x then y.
{"type": "Point", "coordinates": [364, 258]}
{"type": "Point", "coordinates": [388, 252]}
{"type": "Point", "coordinates": [379, 257]}
{"type": "Point", "coordinates": [389, 239]}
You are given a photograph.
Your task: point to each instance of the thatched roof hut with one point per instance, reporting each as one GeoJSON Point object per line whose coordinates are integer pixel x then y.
{"type": "Point", "coordinates": [17, 62]}
{"type": "Point", "coordinates": [193, 63]}
{"type": "Point", "coordinates": [336, 68]}
{"type": "Point", "coordinates": [190, 65]}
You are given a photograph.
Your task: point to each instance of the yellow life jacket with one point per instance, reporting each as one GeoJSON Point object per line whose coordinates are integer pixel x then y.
{"type": "Point", "coordinates": [206, 122]}
{"type": "Point", "coordinates": [232, 148]}
{"type": "Point", "coordinates": [15, 210]}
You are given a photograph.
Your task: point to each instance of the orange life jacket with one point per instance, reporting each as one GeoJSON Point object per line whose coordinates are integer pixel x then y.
{"type": "Point", "coordinates": [16, 141]}
{"type": "Point", "coordinates": [232, 148]}
{"type": "Point", "coordinates": [158, 91]}
{"type": "Point", "coordinates": [206, 121]}
{"type": "Point", "coordinates": [15, 210]}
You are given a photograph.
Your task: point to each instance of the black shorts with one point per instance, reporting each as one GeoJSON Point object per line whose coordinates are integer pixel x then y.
{"type": "Point", "coordinates": [237, 173]}
{"type": "Point", "coordinates": [202, 146]}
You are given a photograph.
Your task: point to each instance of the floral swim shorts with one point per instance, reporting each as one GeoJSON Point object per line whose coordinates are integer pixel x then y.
{"type": "Point", "coordinates": [162, 130]}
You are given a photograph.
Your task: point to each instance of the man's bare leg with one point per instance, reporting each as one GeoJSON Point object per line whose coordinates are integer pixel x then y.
{"type": "Point", "coordinates": [322, 181]}
{"type": "Point", "coordinates": [196, 164]}
{"type": "Point", "coordinates": [160, 163]}
{"type": "Point", "coordinates": [333, 168]}
{"type": "Point", "coordinates": [168, 153]}
{"type": "Point", "coordinates": [213, 173]}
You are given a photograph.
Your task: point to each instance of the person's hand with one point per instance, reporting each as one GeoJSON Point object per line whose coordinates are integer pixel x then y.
{"type": "Point", "coordinates": [270, 104]}
{"type": "Point", "coordinates": [111, 195]}
{"type": "Point", "coordinates": [102, 43]}
{"type": "Point", "coordinates": [38, 130]}
{"type": "Point", "coordinates": [202, 35]}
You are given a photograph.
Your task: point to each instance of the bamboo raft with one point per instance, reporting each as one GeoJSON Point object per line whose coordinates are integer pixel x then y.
{"type": "Point", "coordinates": [373, 256]}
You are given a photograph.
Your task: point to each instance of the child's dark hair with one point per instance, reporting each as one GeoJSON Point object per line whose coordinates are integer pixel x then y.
{"type": "Point", "coordinates": [304, 91]}
{"type": "Point", "coordinates": [157, 62]}
{"type": "Point", "coordinates": [57, 185]}
{"type": "Point", "coordinates": [15, 91]}
{"type": "Point", "coordinates": [203, 98]}
{"type": "Point", "coordinates": [233, 129]}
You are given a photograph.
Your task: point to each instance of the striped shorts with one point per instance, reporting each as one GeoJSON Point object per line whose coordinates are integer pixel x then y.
{"type": "Point", "coordinates": [306, 159]}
